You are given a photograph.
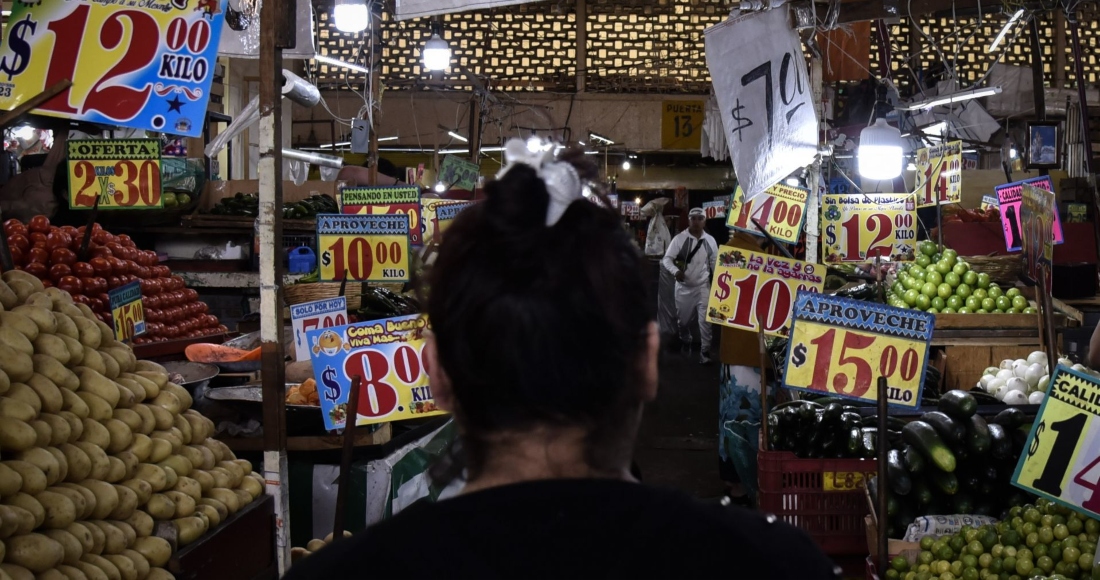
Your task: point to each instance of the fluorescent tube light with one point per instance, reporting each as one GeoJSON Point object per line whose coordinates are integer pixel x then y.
{"type": "Point", "coordinates": [957, 97]}
{"type": "Point", "coordinates": [336, 62]}
{"type": "Point", "coordinates": [391, 138]}
{"type": "Point", "coordinates": [600, 138]}
{"type": "Point", "coordinates": [331, 145]}
{"type": "Point", "coordinates": [457, 136]}
{"type": "Point", "coordinates": [1008, 26]}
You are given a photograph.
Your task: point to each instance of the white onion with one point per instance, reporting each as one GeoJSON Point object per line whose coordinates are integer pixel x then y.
{"type": "Point", "coordinates": [1037, 357]}
{"type": "Point", "coordinates": [1065, 361]}
{"type": "Point", "coordinates": [1079, 368]}
{"type": "Point", "coordinates": [1016, 384]}
{"type": "Point", "coordinates": [1019, 368]}
{"type": "Point", "coordinates": [1044, 383]}
{"type": "Point", "coordinates": [1006, 363]}
{"type": "Point", "coordinates": [1033, 374]}
{"type": "Point", "coordinates": [1005, 374]}
{"type": "Point", "coordinates": [1036, 397]}
{"type": "Point", "coordinates": [1015, 398]}
{"type": "Point", "coordinates": [994, 384]}
{"type": "Point", "coordinates": [985, 380]}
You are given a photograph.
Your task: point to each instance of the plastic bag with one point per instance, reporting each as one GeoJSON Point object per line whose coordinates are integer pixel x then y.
{"type": "Point", "coordinates": [741, 440]}
{"type": "Point", "coordinates": [943, 525]}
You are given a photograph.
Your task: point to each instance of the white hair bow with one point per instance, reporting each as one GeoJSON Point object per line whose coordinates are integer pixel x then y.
{"type": "Point", "coordinates": [562, 182]}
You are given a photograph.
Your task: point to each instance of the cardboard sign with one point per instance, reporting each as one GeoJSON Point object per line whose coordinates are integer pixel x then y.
{"type": "Point", "coordinates": [1062, 462]}
{"type": "Point", "coordinates": [753, 290]}
{"type": "Point", "coordinates": [715, 209]}
{"type": "Point", "coordinates": [457, 173]}
{"type": "Point", "coordinates": [681, 124]}
{"type": "Point", "coordinates": [781, 210]}
{"type": "Point", "coordinates": [841, 347]}
{"type": "Point", "coordinates": [1009, 198]}
{"type": "Point", "coordinates": [859, 227]}
{"type": "Point", "coordinates": [1037, 211]}
{"type": "Point", "coordinates": [385, 355]}
{"type": "Point", "coordinates": [989, 201]}
{"type": "Point", "coordinates": [122, 173]}
{"type": "Point", "coordinates": [127, 312]}
{"type": "Point", "coordinates": [146, 65]}
{"type": "Point", "coordinates": [307, 316]}
{"type": "Point", "coordinates": [939, 174]}
{"type": "Point", "coordinates": [446, 214]}
{"type": "Point", "coordinates": [385, 200]}
{"type": "Point", "coordinates": [429, 215]}
{"type": "Point", "coordinates": [763, 91]}
{"type": "Point", "coordinates": [368, 248]}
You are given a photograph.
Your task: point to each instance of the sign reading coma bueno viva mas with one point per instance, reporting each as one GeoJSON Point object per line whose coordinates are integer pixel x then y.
{"type": "Point", "coordinates": [121, 173]}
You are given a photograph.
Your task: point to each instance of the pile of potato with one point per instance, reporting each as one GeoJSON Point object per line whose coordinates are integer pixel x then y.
{"type": "Point", "coordinates": [313, 545]}
{"type": "Point", "coordinates": [105, 469]}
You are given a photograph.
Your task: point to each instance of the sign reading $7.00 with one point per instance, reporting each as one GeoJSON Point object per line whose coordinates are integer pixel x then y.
{"type": "Point", "coordinates": [365, 248]}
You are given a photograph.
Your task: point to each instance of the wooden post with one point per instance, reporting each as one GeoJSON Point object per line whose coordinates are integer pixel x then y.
{"type": "Point", "coordinates": [274, 25]}
{"type": "Point", "coordinates": [582, 45]}
{"type": "Point", "coordinates": [375, 48]}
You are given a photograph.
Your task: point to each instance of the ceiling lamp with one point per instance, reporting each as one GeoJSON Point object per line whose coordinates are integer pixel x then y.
{"type": "Point", "coordinates": [880, 151]}
{"type": "Point", "coordinates": [351, 15]}
{"type": "Point", "coordinates": [436, 53]}
{"type": "Point", "coordinates": [956, 97]}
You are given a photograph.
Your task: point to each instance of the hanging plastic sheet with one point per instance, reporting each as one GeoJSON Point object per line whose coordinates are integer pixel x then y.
{"type": "Point", "coordinates": [241, 35]}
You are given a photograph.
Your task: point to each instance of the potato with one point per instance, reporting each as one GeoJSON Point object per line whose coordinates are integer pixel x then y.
{"type": "Point", "coordinates": [116, 471]}
{"type": "Point", "coordinates": [162, 416]}
{"type": "Point", "coordinates": [160, 449]}
{"type": "Point", "coordinates": [90, 571]}
{"type": "Point", "coordinates": [90, 336]}
{"type": "Point", "coordinates": [17, 365]}
{"type": "Point", "coordinates": [72, 572]}
{"type": "Point", "coordinates": [14, 520]}
{"type": "Point", "coordinates": [252, 487]}
{"type": "Point", "coordinates": [110, 365]}
{"type": "Point", "coordinates": [129, 417]}
{"type": "Point", "coordinates": [221, 477]}
{"type": "Point", "coordinates": [86, 505]}
{"type": "Point", "coordinates": [209, 460]}
{"type": "Point", "coordinates": [66, 327]}
{"type": "Point", "coordinates": [217, 447]}
{"type": "Point", "coordinates": [49, 345]}
{"type": "Point", "coordinates": [51, 574]}
{"type": "Point", "coordinates": [71, 546]}
{"type": "Point", "coordinates": [159, 574]}
{"type": "Point", "coordinates": [156, 550]}
{"type": "Point", "coordinates": [124, 565]}
{"type": "Point", "coordinates": [7, 298]}
{"type": "Point", "coordinates": [5, 382]}
{"type": "Point", "coordinates": [52, 369]}
{"type": "Point", "coordinates": [98, 409]}
{"type": "Point", "coordinates": [189, 487]}
{"type": "Point", "coordinates": [179, 464]}
{"type": "Point", "coordinates": [127, 503]}
{"type": "Point", "coordinates": [148, 420]}
{"type": "Point", "coordinates": [153, 474]}
{"type": "Point", "coordinates": [141, 564]}
{"type": "Point", "coordinates": [120, 435]}
{"type": "Point", "coordinates": [43, 460]}
{"type": "Point", "coordinates": [59, 427]}
{"type": "Point", "coordinates": [148, 387]}
{"type": "Point", "coordinates": [30, 504]}
{"type": "Point", "coordinates": [42, 433]}
{"type": "Point", "coordinates": [74, 496]}
{"type": "Point", "coordinates": [106, 497]}
{"type": "Point", "coordinates": [235, 470]}
{"type": "Point", "coordinates": [100, 465]}
{"type": "Point", "coordinates": [211, 514]}
{"type": "Point", "coordinates": [193, 455]}
{"type": "Point", "coordinates": [40, 299]}
{"type": "Point", "coordinates": [129, 463]}
{"type": "Point", "coordinates": [161, 507]}
{"type": "Point", "coordinates": [189, 529]}
{"type": "Point", "coordinates": [60, 510]}
{"type": "Point", "coordinates": [93, 360]}
{"type": "Point", "coordinates": [243, 496]}
{"type": "Point", "coordinates": [11, 481]}
{"type": "Point", "coordinates": [115, 539]}
{"type": "Point", "coordinates": [16, 340]}
{"type": "Point", "coordinates": [142, 489]}
{"type": "Point", "coordinates": [17, 409]}
{"type": "Point", "coordinates": [185, 504]}
{"type": "Point", "coordinates": [181, 424]}
{"type": "Point", "coordinates": [32, 479]}
{"type": "Point", "coordinates": [96, 434]}
{"type": "Point", "coordinates": [181, 393]}
{"type": "Point", "coordinates": [34, 552]}
{"type": "Point", "coordinates": [16, 572]}
{"type": "Point", "coordinates": [24, 394]}
{"type": "Point", "coordinates": [76, 349]}
{"type": "Point", "coordinates": [47, 392]}
{"type": "Point", "coordinates": [227, 497]}
{"type": "Point", "coordinates": [80, 531]}
{"type": "Point", "coordinates": [126, 529]}
{"type": "Point", "coordinates": [73, 404]}
{"type": "Point", "coordinates": [121, 355]}
{"type": "Point", "coordinates": [98, 538]}
{"type": "Point", "coordinates": [142, 522]}
{"type": "Point", "coordinates": [132, 390]}
{"type": "Point", "coordinates": [103, 564]}
{"type": "Point", "coordinates": [80, 465]}
{"type": "Point", "coordinates": [62, 463]}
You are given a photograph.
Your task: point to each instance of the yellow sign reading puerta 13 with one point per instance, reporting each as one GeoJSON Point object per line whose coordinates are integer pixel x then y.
{"type": "Point", "coordinates": [120, 173]}
{"type": "Point", "coordinates": [841, 347]}
{"type": "Point", "coordinates": [365, 248]}
{"type": "Point", "coordinates": [1062, 462]}
{"type": "Point", "coordinates": [753, 290]}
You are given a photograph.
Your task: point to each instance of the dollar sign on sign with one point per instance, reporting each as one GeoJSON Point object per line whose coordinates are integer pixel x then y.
{"type": "Point", "coordinates": [742, 122]}
{"type": "Point", "coordinates": [798, 356]}
{"type": "Point", "coordinates": [1035, 442]}
{"type": "Point", "coordinates": [20, 48]}
{"type": "Point", "coordinates": [332, 388]}
{"type": "Point", "coordinates": [830, 235]}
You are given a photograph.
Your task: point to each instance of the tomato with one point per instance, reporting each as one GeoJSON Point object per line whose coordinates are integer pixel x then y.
{"type": "Point", "coordinates": [143, 272]}
{"type": "Point", "coordinates": [19, 241]}
{"type": "Point", "coordinates": [118, 266]}
{"type": "Point", "coordinates": [12, 226]}
{"type": "Point", "coordinates": [100, 252]}
{"type": "Point", "coordinates": [82, 269]}
{"type": "Point", "coordinates": [37, 238]}
{"type": "Point", "coordinates": [90, 286]}
{"type": "Point", "coordinates": [71, 284]}
{"type": "Point", "coordinates": [98, 305]}
{"type": "Point", "coordinates": [71, 231]}
{"type": "Point", "coordinates": [37, 269]}
{"type": "Point", "coordinates": [59, 271]}
{"type": "Point", "coordinates": [125, 240]}
{"type": "Point", "coordinates": [146, 288]}
{"type": "Point", "coordinates": [47, 284]}
{"type": "Point", "coordinates": [107, 318]}
{"type": "Point", "coordinates": [58, 239]}
{"type": "Point", "coordinates": [222, 329]}
{"type": "Point", "coordinates": [113, 282]}
{"type": "Point", "coordinates": [38, 255]}
{"type": "Point", "coordinates": [17, 257]}
{"type": "Point", "coordinates": [39, 223]}
{"type": "Point", "coordinates": [64, 256]}
{"type": "Point", "coordinates": [100, 237]}
{"type": "Point", "coordinates": [101, 266]}
{"type": "Point", "coordinates": [203, 308]}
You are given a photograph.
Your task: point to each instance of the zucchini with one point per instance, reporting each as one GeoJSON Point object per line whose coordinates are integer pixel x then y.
{"type": "Point", "coordinates": [922, 492]}
{"type": "Point", "coordinates": [924, 438]}
{"type": "Point", "coordinates": [832, 412]}
{"type": "Point", "coordinates": [855, 440]}
{"type": "Point", "coordinates": [958, 404]}
{"type": "Point", "coordinates": [1000, 444]}
{"type": "Point", "coordinates": [896, 473]}
{"type": "Point", "coordinates": [914, 461]}
{"type": "Point", "coordinates": [1010, 418]}
{"type": "Point", "coordinates": [978, 439]}
{"type": "Point", "coordinates": [950, 430]}
{"type": "Point", "coordinates": [945, 482]}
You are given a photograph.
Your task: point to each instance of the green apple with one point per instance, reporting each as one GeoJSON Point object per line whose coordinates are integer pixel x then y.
{"type": "Point", "coordinates": [989, 304]}
{"type": "Point", "coordinates": [1018, 301]}
{"type": "Point", "coordinates": [954, 302]}
{"type": "Point", "coordinates": [924, 302]}
{"type": "Point", "coordinates": [952, 279]}
{"type": "Point", "coordinates": [1003, 302]}
{"type": "Point", "coordinates": [963, 291]}
{"type": "Point", "coordinates": [973, 302]}
{"type": "Point", "coordinates": [910, 296]}
{"type": "Point", "coordinates": [971, 278]}
{"type": "Point", "coordinates": [983, 280]}
{"type": "Point", "coordinates": [933, 276]}
{"type": "Point", "coordinates": [944, 291]}
{"type": "Point", "coordinates": [939, 303]}
{"type": "Point", "coordinates": [1013, 292]}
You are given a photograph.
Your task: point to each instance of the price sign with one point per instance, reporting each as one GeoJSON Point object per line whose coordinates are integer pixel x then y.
{"type": "Point", "coordinates": [681, 124]}
{"type": "Point", "coordinates": [860, 227]}
{"type": "Point", "coordinates": [369, 248]}
{"type": "Point", "coordinates": [763, 92]}
{"type": "Point", "coordinates": [753, 290]}
{"type": "Point", "coordinates": [307, 316]}
{"type": "Point", "coordinates": [122, 173]}
{"type": "Point", "coordinates": [939, 174]}
{"type": "Point", "coordinates": [1062, 462]}
{"type": "Point", "coordinates": [459, 173]}
{"type": "Point", "coordinates": [1078, 213]}
{"type": "Point", "coordinates": [386, 355]}
{"type": "Point", "coordinates": [1009, 198]}
{"type": "Point", "coordinates": [146, 65]}
{"type": "Point", "coordinates": [385, 200]}
{"type": "Point", "coordinates": [845, 480]}
{"type": "Point", "coordinates": [989, 201]}
{"type": "Point", "coordinates": [841, 347]}
{"type": "Point", "coordinates": [446, 213]}
{"type": "Point", "coordinates": [716, 209]}
{"type": "Point", "coordinates": [780, 209]}
{"type": "Point", "coordinates": [127, 312]}
{"type": "Point", "coordinates": [1037, 211]}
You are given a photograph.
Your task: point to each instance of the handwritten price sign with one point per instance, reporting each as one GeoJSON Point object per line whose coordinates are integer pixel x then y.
{"type": "Point", "coordinates": [127, 311]}
{"type": "Point", "coordinates": [385, 200]}
{"type": "Point", "coordinates": [841, 347]}
{"type": "Point", "coordinates": [753, 290]}
{"type": "Point", "coordinates": [763, 93]}
{"type": "Point", "coordinates": [386, 356]}
{"type": "Point", "coordinates": [780, 210]}
{"type": "Point", "coordinates": [861, 227]}
{"type": "Point", "coordinates": [1036, 223]}
{"type": "Point", "coordinates": [458, 173]}
{"type": "Point", "coordinates": [307, 316]}
{"type": "Point", "coordinates": [369, 248]}
{"type": "Point", "coordinates": [1062, 462]}
{"type": "Point", "coordinates": [122, 173]}
{"type": "Point", "coordinates": [146, 65]}
{"type": "Point", "coordinates": [939, 174]}
{"type": "Point", "coordinates": [1009, 198]}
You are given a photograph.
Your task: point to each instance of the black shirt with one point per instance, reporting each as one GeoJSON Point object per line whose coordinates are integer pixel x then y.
{"type": "Point", "coordinates": [571, 529]}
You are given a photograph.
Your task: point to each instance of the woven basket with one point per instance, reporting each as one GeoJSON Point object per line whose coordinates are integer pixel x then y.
{"type": "Point", "coordinates": [1003, 270]}
{"type": "Point", "coordinates": [299, 293]}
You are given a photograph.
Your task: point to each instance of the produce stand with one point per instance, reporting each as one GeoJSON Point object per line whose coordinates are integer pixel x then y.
{"type": "Point", "coordinates": [241, 547]}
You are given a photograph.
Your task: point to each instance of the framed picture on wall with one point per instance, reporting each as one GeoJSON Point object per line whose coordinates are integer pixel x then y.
{"type": "Point", "coordinates": [1044, 146]}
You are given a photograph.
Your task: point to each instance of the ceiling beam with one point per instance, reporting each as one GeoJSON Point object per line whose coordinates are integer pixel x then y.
{"type": "Point", "coordinates": [864, 10]}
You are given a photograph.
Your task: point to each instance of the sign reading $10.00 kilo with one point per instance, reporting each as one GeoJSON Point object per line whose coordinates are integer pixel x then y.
{"type": "Point", "coordinates": [753, 290]}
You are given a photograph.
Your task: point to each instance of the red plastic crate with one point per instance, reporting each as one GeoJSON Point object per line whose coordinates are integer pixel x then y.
{"type": "Point", "coordinates": [804, 493]}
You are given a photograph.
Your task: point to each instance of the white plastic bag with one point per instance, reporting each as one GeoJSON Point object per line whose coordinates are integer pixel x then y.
{"type": "Point", "coordinates": [943, 525]}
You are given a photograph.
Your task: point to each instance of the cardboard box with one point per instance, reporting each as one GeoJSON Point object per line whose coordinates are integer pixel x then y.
{"type": "Point", "coordinates": [215, 191]}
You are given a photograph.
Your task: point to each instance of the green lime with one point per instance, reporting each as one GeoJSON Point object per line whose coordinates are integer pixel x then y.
{"type": "Point", "coordinates": [944, 290]}
{"type": "Point", "coordinates": [923, 260]}
{"type": "Point", "coordinates": [989, 304]}
{"type": "Point", "coordinates": [1040, 550]}
{"type": "Point", "coordinates": [932, 310]}
{"type": "Point", "coordinates": [1023, 567]}
{"type": "Point", "coordinates": [980, 293]}
{"type": "Point", "coordinates": [929, 289]}
{"type": "Point", "coordinates": [1061, 532]}
{"type": "Point", "coordinates": [975, 548]}
{"type": "Point", "coordinates": [945, 553]}
{"type": "Point", "coordinates": [892, 574]}
{"type": "Point", "coordinates": [928, 247]}
{"type": "Point", "coordinates": [927, 541]}
{"type": "Point", "coordinates": [1032, 539]}
{"type": "Point", "coordinates": [923, 302]}
{"type": "Point", "coordinates": [950, 254]}
{"type": "Point", "coordinates": [964, 310]}
{"type": "Point", "coordinates": [1070, 555]}
{"type": "Point", "coordinates": [973, 303]}
{"type": "Point", "coordinates": [952, 279]}
{"type": "Point", "coordinates": [1046, 534]}
{"type": "Point", "coordinates": [1085, 562]}
{"type": "Point", "coordinates": [933, 276]}
{"type": "Point", "coordinates": [939, 303]}
{"type": "Point", "coordinates": [983, 280]}
{"type": "Point", "coordinates": [957, 568]}
{"type": "Point", "coordinates": [971, 573]}
{"type": "Point", "coordinates": [1060, 568]}
{"type": "Point", "coordinates": [1075, 525]}
{"type": "Point", "coordinates": [1028, 527]}
{"type": "Point", "coordinates": [900, 564]}
{"type": "Point", "coordinates": [911, 283]}
{"type": "Point", "coordinates": [1030, 310]}
{"type": "Point", "coordinates": [971, 278]}
{"type": "Point", "coordinates": [960, 268]}
{"type": "Point", "coordinates": [1003, 302]}
{"type": "Point", "coordinates": [963, 291]}
{"type": "Point", "coordinates": [1012, 292]}
{"type": "Point", "coordinates": [985, 560]}
{"type": "Point", "coordinates": [1045, 564]}
{"type": "Point", "coordinates": [1009, 539]}
{"type": "Point", "coordinates": [954, 302]}
{"type": "Point", "coordinates": [925, 558]}
{"type": "Point", "coordinates": [948, 310]}
{"type": "Point", "coordinates": [910, 296]}
{"type": "Point", "coordinates": [1071, 542]}
{"type": "Point", "coordinates": [1009, 564]}
{"type": "Point", "coordinates": [942, 267]}
{"type": "Point", "coordinates": [1032, 515]}
{"type": "Point", "coordinates": [995, 291]}
{"type": "Point", "coordinates": [957, 544]}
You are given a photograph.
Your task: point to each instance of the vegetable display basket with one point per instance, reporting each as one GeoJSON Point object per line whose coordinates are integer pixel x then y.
{"type": "Point", "coordinates": [1004, 270]}
{"type": "Point", "coordinates": [824, 497]}
{"type": "Point", "coordinates": [310, 291]}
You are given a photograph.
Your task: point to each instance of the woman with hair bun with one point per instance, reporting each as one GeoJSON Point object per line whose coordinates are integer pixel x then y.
{"type": "Point", "coordinates": [544, 350]}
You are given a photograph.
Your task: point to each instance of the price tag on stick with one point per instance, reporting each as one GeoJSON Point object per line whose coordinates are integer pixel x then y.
{"type": "Point", "coordinates": [324, 313]}
{"type": "Point", "coordinates": [370, 248]}
{"type": "Point", "coordinates": [1036, 224]}
{"type": "Point", "coordinates": [753, 290]}
{"type": "Point", "coordinates": [763, 92]}
{"type": "Point", "coordinates": [116, 174]}
{"type": "Point", "coordinates": [860, 227]}
{"type": "Point", "coordinates": [781, 210]}
{"type": "Point", "coordinates": [127, 312]}
{"type": "Point", "coordinates": [1062, 462]}
{"type": "Point", "coordinates": [841, 347]}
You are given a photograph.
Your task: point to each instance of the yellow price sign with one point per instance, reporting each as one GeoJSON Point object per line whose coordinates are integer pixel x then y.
{"type": "Point", "coordinates": [841, 347]}
{"type": "Point", "coordinates": [845, 480]}
{"type": "Point", "coordinates": [780, 210]}
{"type": "Point", "coordinates": [1062, 462]}
{"type": "Point", "coordinates": [753, 290]}
{"type": "Point", "coordinates": [939, 174]}
{"type": "Point", "coordinates": [861, 227]}
{"type": "Point", "coordinates": [121, 174]}
{"type": "Point", "coordinates": [127, 312]}
{"type": "Point", "coordinates": [367, 248]}
{"type": "Point", "coordinates": [385, 200]}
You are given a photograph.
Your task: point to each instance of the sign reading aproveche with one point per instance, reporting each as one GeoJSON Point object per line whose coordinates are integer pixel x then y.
{"type": "Point", "coordinates": [368, 248]}
{"type": "Point", "coordinates": [681, 124]}
{"type": "Point", "coordinates": [307, 316]}
{"type": "Point", "coordinates": [146, 65]}
{"type": "Point", "coordinates": [385, 200]}
{"type": "Point", "coordinates": [127, 313]}
{"type": "Point", "coordinates": [841, 347]}
{"type": "Point", "coordinates": [753, 290]}
{"type": "Point", "coordinates": [1062, 462]}
{"type": "Point", "coordinates": [859, 227]}
{"type": "Point", "coordinates": [122, 173]}
{"type": "Point", "coordinates": [1009, 198]}
{"type": "Point", "coordinates": [760, 81]}
{"type": "Point", "coordinates": [780, 210]}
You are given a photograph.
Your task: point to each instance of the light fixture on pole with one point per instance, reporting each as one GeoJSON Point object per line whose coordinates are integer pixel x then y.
{"type": "Point", "coordinates": [956, 97]}
{"type": "Point", "coordinates": [436, 53]}
{"type": "Point", "coordinates": [351, 15]}
{"type": "Point", "coordinates": [600, 139]}
{"type": "Point", "coordinates": [880, 150]}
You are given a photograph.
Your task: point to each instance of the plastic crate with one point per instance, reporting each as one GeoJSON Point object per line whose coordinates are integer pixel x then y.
{"type": "Point", "coordinates": [806, 494]}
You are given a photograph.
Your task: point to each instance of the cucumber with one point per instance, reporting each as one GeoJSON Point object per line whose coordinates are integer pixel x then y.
{"type": "Point", "coordinates": [896, 473]}
{"type": "Point", "coordinates": [832, 412]}
{"type": "Point", "coordinates": [869, 442]}
{"type": "Point", "coordinates": [1010, 418]}
{"type": "Point", "coordinates": [855, 439]}
{"type": "Point", "coordinates": [922, 492]}
{"type": "Point", "coordinates": [924, 438]}
{"type": "Point", "coordinates": [1000, 443]}
{"type": "Point", "coordinates": [914, 461]}
{"type": "Point", "coordinates": [978, 439]}
{"type": "Point", "coordinates": [958, 404]}
{"type": "Point", "coordinates": [945, 482]}
{"type": "Point", "coordinates": [950, 430]}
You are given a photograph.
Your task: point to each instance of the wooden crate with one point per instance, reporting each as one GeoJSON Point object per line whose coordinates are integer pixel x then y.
{"type": "Point", "coordinates": [965, 364]}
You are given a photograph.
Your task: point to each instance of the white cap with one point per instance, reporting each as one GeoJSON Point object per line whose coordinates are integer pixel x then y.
{"type": "Point", "coordinates": [697, 211]}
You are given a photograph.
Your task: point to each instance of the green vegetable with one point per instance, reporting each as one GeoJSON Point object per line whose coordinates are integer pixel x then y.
{"type": "Point", "coordinates": [958, 404]}
{"type": "Point", "coordinates": [914, 461]}
{"type": "Point", "coordinates": [922, 492]}
{"type": "Point", "coordinates": [949, 429]}
{"type": "Point", "coordinates": [979, 439]}
{"type": "Point", "coordinates": [1010, 418]}
{"type": "Point", "coordinates": [896, 473]}
{"type": "Point", "coordinates": [1001, 443]}
{"type": "Point", "coordinates": [945, 482]}
{"type": "Point", "coordinates": [924, 438]}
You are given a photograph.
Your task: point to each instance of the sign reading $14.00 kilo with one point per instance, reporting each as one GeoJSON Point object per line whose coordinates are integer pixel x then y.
{"type": "Point", "coordinates": [753, 290]}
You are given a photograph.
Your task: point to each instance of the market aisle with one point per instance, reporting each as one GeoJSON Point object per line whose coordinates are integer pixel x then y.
{"type": "Point", "coordinates": [677, 445]}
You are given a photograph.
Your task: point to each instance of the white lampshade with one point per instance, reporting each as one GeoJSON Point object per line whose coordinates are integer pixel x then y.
{"type": "Point", "coordinates": [437, 53]}
{"type": "Point", "coordinates": [351, 15]}
{"type": "Point", "coordinates": [880, 152]}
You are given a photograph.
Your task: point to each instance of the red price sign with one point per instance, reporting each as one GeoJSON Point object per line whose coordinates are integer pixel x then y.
{"type": "Point", "coordinates": [780, 211]}
{"type": "Point", "coordinates": [122, 174]}
{"type": "Point", "coordinates": [939, 174]}
{"type": "Point", "coordinates": [861, 227]}
{"type": "Point", "coordinates": [752, 290]}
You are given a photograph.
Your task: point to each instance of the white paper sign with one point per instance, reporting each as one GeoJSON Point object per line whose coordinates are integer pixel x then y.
{"type": "Point", "coordinates": [324, 313]}
{"type": "Point", "coordinates": [763, 91]}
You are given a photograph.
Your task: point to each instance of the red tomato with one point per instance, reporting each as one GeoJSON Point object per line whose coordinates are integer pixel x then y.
{"type": "Point", "coordinates": [89, 285]}
{"type": "Point", "coordinates": [98, 305]}
{"type": "Point", "coordinates": [47, 284]}
{"type": "Point", "coordinates": [59, 271]}
{"type": "Point", "coordinates": [64, 256]}
{"type": "Point", "coordinates": [12, 226]}
{"type": "Point", "coordinates": [38, 270]}
{"type": "Point", "coordinates": [70, 284]}
{"type": "Point", "coordinates": [118, 266]}
{"type": "Point", "coordinates": [222, 329]}
{"type": "Point", "coordinates": [100, 237]}
{"type": "Point", "coordinates": [101, 252]}
{"type": "Point", "coordinates": [82, 269]}
{"type": "Point", "coordinates": [17, 257]}
{"type": "Point", "coordinates": [39, 223]}
{"type": "Point", "coordinates": [80, 298]}
{"type": "Point", "coordinates": [37, 238]}
{"type": "Point", "coordinates": [101, 266]}
{"type": "Point", "coordinates": [132, 268]}
{"type": "Point", "coordinates": [71, 231]}
{"type": "Point", "coordinates": [113, 282]}
{"type": "Point", "coordinates": [38, 255]}
{"type": "Point", "coordinates": [125, 240]}
{"type": "Point", "coordinates": [107, 318]}
{"type": "Point", "coordinates": [19, 241]}
{"type": "Point", "coordinates": [146, 288]}
{"type": "Point", "coordinates": [203, 308]}
{"type": "Point", "coordinates": [151, 301]}
{"type": "Point", "coordinates": [58, 239]}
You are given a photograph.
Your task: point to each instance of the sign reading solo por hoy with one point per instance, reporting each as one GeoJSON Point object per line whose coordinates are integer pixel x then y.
{"type": "Point", "coordinates": [307, 316]}
{"type": "Point", "coordinates": [763, 91]}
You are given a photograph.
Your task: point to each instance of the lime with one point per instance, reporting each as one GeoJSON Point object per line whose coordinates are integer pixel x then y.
{"type": "Point", "coordinates": [964, 310]}
{"type": "Point", "coordinates": [928, 247]}
{"type": "Point", "coordinates": [1046, 534]}
{"type": "Point", "coordinates": [1032, 539]}
{"type": "Point", "coordinates": [982, 294]}
{"type": "Point", "coordinates": [960, 268]}
{"type": "Point", "coordinates": [985, 560]}
{"type": "Point", "coordinates": [973, 303]}
{"type": "Point", "coordinates": [1012, 292]}
{"type": "Point", "coordinates": [1061, 532]}
{"type": "Point", "coordinates": [995, 291]}
{"type": "Point", "coordinates": [1009, 539]}
{"type": "Point", "coordinates": [952, 279]}
{"type": "Point", "coordinates": [927, 541]}
{"type": "Point", "coordinates": [1060, 568]}
{"type": "Point", "coordinates": [938, 303]}
{"type": "Point", "coordinates": [928, 289]}
{"type": "Point", "coordinates": [1072, 569]}
{"type": "Point", "coordinates": [971, 278]}
{"type": "Point", "coordinates": [954, 302]}
{"type": "Point", "coordinates": [925, 558]}
{"type": "Point", "coordinates": [996, 565]}
{"type": "Point", "coordinates": [1075, 525]}
{"type": "Point", "coordinates": [948, 310]}
{"type": "Point", "coordinates": [983, 280]}
{"type": "Point", "coordinates": [900, 564]}
{"type": "Point", "coordinates": [919, 276]}
{"type": "Point", "coordinates": [1004, 303]}
{"type": "Point", "coordinates": [989, 539]}
{"type": "Point", "coordinates": [1045, 564]}
{"type": "Point", "coordinates": [944, 290]}
{"type": "Point", "coordinates": [989, 304]}
{"type": "Point", "coordinates": [942, 267]}
{"type": "Point", "coordinates": [1040, 550]}
{"type": "Point", "coordinates": [970, 573]}
{"type": "Point", "coordinates": [1009, 564]}
{"type": "Point", "coordinates": [1070, 555]}
{"type": "Point", "coordinates": [945, 553]}
{"type": "Point", "coordinates": [898, 287]}
{"type": "Point", "coordinates": [923, 260]}
{"type": "Point", "coordinates": [1028, 527]}
{"type": "Point", "coordinates": [924, 302]}
{"type": "Point", "coordinates": [963, 291]}
{"type": "Point", "coordinates": [1071, 542]}
{"type": "Point", "coordinates": [933, 276]}
{"type": "Point", "coordinates": [1023, 567]}
{"type": "Point", "coordinates": [916, 269]}
{"type": "Point", "coordinates": [933, 310]}
{"type": "Point", "coordinates": [911, 283]}
{"type": "Point", "coordinates": [975, 548]}
{"type": "Point", "coordinates": [892, 574]}
{"type": "Point", "coordinates": [1030, 310]}
{"type": "Point", "coordinates": [910, 296]}
{"type": "Point", "coordinates": [950, 254]}
{"type": "Point", "coordinates": [957, 568]}
{"type": "Point", "coordinates": [1085, 561]}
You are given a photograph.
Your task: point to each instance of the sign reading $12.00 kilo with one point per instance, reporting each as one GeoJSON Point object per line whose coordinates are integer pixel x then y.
{"type": "Point", "coordinates": [860, 227]}
{"type": "Point", "coordinates": [752, 289]}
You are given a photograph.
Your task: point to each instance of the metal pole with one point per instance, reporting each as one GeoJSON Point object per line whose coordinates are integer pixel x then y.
{"type": "Point", "coordinates": [1082, 101]}
{"type": "Point", "coordinates": [582, 44]}
{"type": "Point", "coordinates": [273, 34]}
{"type": "Point", "coordinates": [375, 84]}
{"type": "Point", "coordinates": [813, 216]}
{"type": "Point", "coordinates": [883, 485]}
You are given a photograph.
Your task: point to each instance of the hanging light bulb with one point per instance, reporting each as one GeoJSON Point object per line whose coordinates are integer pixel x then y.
{"type": "Point", "coordinates": [440, 187]}
{"type": "Point", "coordinates": [880, 151]}
{"type": "Point", "coordinates": [351, 15]}
{"type": "Point", "coordinates": [626, 164]}
{"type": "Point", "coordinates": [436, 53]}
